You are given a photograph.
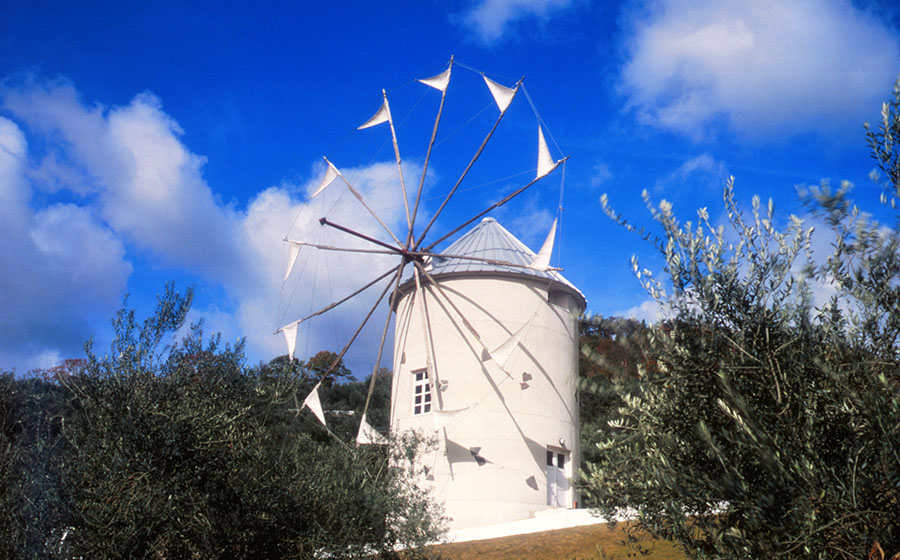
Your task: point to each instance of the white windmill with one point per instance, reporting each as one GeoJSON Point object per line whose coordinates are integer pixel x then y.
{"type": "Point", "coordinates": [485, 344]}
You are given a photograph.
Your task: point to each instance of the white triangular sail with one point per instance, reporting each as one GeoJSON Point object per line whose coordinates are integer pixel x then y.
{"type": "Point", "coordinates": [293, 252]}
{"type": "Point", "coordinates": [542, 259]}
{"type": "Point", "coordinates": [290, 337]}
{"type": "Point", "coordinates": [504, 352]}
{"type": "Point", "coordinates": [313, 403]}
{"type": "Point", "coordinates": [438, 82]}
{"type": "Point", "coordinates": [503, 95]}
{"type": "Point", "coordinates": [383, 115]}
{"type": "Point", "coordinates": [330, 175]}
{"type": "Point", "coordinates": [442, 418]}
{"type": "Point", "coordinates": [545, 160]}
{"type": "Point", "coordinates": [368, 435]}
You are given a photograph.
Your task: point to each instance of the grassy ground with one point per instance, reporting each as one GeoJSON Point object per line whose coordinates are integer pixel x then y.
{"type": "Point", "coordinates": [601, 542]}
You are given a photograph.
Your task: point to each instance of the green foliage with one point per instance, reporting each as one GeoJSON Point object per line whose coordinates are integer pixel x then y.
{"type": "Point", "coordinates": [614, 359]}
{"type": "Point", "coordinates": [884, 143]}
{"type": "Point", "coordinates": [10, 430]}
{"type": "Point", "coordinates": [770, 424]}
{"type": "Point", "coordinates": [33, 496]}
{"type": "Point", "coordinates": [175, 449]}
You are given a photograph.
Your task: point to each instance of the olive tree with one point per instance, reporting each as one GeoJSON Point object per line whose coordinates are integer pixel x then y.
{"type": "Point", "coordinates": [769, 424]}
{"type": "Point", "coordinates": [177, 450]}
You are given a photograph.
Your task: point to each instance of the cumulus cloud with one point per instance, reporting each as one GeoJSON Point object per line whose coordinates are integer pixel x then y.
{"type": "Point", "coordinates": [148, 186]}
{"type": "Point", "coordinates": [489, 19]}
{"type": "Point", "coordinates": [59, 265]}
{"type": "Point", "coordinates": [120, 178]}
{"type": "Point", "coordinates": [765, 68]}
{"type": "Point", "coordinates": [319, 277]}
{"type": "Point", "coordinates": [649, 311]}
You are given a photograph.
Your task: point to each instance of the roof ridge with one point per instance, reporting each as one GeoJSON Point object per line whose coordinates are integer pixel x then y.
{"type": "Point", "coordinates": [490, 241]}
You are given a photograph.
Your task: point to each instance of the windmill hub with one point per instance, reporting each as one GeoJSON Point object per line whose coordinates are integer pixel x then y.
{"type": "Point", "coordinates": [409, 256]}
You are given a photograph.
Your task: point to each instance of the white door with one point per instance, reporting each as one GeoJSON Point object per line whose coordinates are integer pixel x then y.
{"type": "Point", "coordinates": [557, 482]}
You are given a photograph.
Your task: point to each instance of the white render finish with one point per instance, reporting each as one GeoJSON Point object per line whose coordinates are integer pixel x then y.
{"type": "Point", "coordinates": [507, 398]}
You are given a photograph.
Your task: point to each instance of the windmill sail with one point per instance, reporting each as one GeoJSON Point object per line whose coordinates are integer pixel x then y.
{"type": "Point", "coordinates": [290, 337]}
{"type": "Point", "coordinates": [545, 161]}
{"type": "Point", "coordinates": [313, 403]}
{"type": "Point", "coordinates": [330, 175]}
{"type": "Point", "coordinates": [368, 435]}
{"type": "Point", "coordinates": [383, 115]}
{"type": "Point", "coordinates": [293, 252]}
{"type": "Point", "coordinates": [503, 95]}
{"type": "Point", "coordinates": [438, 82]}
{"type": "Point", "coordinates": [504, 352]}
{"type": "Point", "coordinates": [542, 259]}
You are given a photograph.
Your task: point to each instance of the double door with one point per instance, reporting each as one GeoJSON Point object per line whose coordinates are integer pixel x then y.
{"type": "Point", "coordinates": [557, 479]}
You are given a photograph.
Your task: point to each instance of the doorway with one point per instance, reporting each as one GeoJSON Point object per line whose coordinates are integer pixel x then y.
{"type": "Point", "coordinates": [557, 479]}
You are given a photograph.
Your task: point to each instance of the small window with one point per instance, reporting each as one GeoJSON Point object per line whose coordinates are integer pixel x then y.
{"type": "Point", "coordinates": [560, 298]}
{"type": "Point", "coordinates": [421, 392]}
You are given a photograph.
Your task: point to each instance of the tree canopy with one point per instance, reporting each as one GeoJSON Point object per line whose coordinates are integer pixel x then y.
{"type": "Point", "coordinates": [171, 447]}
{"type": "Point", "coordinates": [769, 424]}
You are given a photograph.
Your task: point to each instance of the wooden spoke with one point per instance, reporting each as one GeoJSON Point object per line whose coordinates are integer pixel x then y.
{"type": "Point", "coordinates": [498, 204]}
{"type": "Point", "coordinates": [464, 173]}
{"type": "Point", "coordinates": [437, 121]}
{"type": "Point", "coordinates": [387, 325]}
{"type": "Point", "coordinates": [359, 329]}
{"type": "Point", "coordinates": [359, 197]}
{"type": "Point", "coordinates": [331, 306]}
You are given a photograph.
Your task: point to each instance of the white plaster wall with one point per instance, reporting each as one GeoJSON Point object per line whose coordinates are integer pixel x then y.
{"type": "Point", "coordinates": [513, 425]}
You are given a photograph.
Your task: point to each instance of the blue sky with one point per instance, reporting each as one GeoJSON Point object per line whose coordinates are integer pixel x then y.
{"type": "Point", "coordinates": [144, 143]}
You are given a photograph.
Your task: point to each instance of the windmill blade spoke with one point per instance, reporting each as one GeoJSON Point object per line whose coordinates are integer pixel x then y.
{"type": "Point", "coordinates": [426, 331]}
{"type": "Point", "coordinates": [326, 222]}
{"type": "Point", "coordinates": [399, 162]}
{"type": "Point", "coordinates": [493, 206]}
{"type": "Point", "coordinates": [362, 201]}
{"type": "Point", "coordinates": [359, 329]}
{"type": "Point", "coordinates": [440, 290]}
{"type": "Point", "coordinates": [443, 294]}
{"type": "Point", "coordinates": [437, 122]}
{"type": "Point", "coordinates": [464, 173]}
{"type": "Point", "coordinates": [392, 251]}
{"type": "Point", "coordinates": [387, 324]}
{"type": "Point", "coordinates": [331, 306]}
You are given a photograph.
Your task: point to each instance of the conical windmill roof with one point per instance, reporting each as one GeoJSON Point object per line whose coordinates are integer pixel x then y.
{"type": "Point", "coordinates": [491, 241]}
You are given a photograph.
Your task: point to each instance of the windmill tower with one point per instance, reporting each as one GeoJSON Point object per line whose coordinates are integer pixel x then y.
{"type": "Point", "coordinates": [485, 356]}
{"type": "Point", "coordinates": [486, 361]}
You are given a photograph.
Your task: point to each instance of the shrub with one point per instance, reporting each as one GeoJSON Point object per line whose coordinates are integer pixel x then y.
{"type": "Point", "coordinates": [769, 426]}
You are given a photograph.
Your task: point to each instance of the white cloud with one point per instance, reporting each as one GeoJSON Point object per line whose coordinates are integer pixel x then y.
{"type": "Point", "coordinates": [319, 277]}
{"type": "Point", "coordinates": [649, 311]}
{"type": "Point", "coordinates": [148, 185]}
{"type": "Point", "coordinates": [490, 19]}
{"type": "Point", "coordinates": [59, 265]}
{"type": "Point", "coordinates": [63, 266]}
{"type": "Point", "coordinates": [768, 68]}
